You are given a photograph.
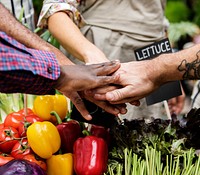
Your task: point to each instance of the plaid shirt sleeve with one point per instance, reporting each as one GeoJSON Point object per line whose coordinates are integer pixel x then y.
{"type": "Point", "coordinates": [26, 70]}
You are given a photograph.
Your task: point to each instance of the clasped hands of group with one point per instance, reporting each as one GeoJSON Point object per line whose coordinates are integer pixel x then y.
{"type": "Point", "coordinates": [109, 85]}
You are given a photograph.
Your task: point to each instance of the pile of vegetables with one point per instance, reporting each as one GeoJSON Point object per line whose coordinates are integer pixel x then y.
{"type": "Point", "coordinates": [44, 140]}
{"type": "Point", "coordinates": [167, 147]}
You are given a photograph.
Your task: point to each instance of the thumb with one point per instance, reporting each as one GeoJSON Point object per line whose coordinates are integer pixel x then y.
{"type": "Point", "coordinates": [118, 94]}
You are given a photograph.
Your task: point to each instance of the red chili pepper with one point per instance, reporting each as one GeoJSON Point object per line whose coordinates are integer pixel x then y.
{"type": "Point", "coordinates": [90, 156]}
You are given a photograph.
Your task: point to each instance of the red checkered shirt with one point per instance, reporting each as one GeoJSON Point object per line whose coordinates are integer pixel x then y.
{"type": "Point", "coordinates": [26, 70]}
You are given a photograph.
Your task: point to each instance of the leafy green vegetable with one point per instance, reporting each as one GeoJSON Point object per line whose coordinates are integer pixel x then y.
{"type": "Point", "coordinates": [153, 164]}
{"type": "Point", "coordinates": [14, 102]}
{"type": "Point", "coordinates": [10, 103]}
{"type": "Point", "coordinates": [164, 147]}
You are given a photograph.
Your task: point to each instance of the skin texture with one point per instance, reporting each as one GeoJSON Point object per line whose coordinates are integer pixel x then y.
{"type": "Point", "coordinates": [83, 77]}
{"type": "Point", "coordinates": [182, 65]}
{"type": "Point", "coordinates": [27, 37]}
{"type": "Point", "coordinates": [78, 45]}
{"type": "Point", "coordinates": [75, 78]}
{"type": "Point", "coordinates": [82, 49]}
{"type": "Point", "coordinates": [191, 70]}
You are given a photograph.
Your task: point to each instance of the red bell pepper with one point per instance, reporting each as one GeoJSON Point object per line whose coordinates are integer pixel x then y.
{"type": "Point", "coordinates": [101, 132]}
{"type": "Point", "coordinates": [69, 132]}
{"type": "Point", "coordinates": [90, 156]}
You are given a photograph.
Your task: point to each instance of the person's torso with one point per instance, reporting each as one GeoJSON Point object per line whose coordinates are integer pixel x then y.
{"type": "Point", "coordinates": [141, 18]}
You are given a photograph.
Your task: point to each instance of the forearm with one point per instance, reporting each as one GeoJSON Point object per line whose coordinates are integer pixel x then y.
{"type": "Point", "coordinates": [26, 70]}
{"type": "Point", "coordinates": [181, 65]}
{"type": "Point", "coordinates": [21, 81]}
{"type": "Point", "coordinates": [25, 36]}
{"type": "Point", "coordinates": [70, 37]}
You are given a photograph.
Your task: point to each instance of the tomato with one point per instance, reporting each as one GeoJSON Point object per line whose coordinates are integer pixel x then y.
{"type": "Point", "coordinates": [1, 125]}
{"type": "Point", "coordinates": [20, 149]}
{"type": "Point", "coordinates": [19, 121]}
{"type": "Point", "coordinates": [29, 112]}
{"type": "Point", "coordinates": [8, 138]}
{"type": "Point", "coordinates": [5, 158]}
{"type": "Point", "coordinates": [36, 159]}
{"type": "Point", "coordinates": [13, 119]}
{"type": "Point", "coordinates": [28, 120]}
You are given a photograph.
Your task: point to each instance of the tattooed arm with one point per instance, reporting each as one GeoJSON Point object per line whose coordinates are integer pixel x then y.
{"type": "Point", "coordinates": [138, 79]}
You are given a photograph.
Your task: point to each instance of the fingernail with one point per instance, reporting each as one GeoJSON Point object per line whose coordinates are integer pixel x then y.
{"type": "Point", "coordinates": [88, 117]}
{"type": "Point", "coordinates": [110, 96]}
{"type": "Point", "coordinates": [116, 111]}
{"type": "Point", "coordinates": [88, 91]}
{"type": "Point", "coordinates": [117, 61]}
{"type": "Point", "coordinates": [123, 111]}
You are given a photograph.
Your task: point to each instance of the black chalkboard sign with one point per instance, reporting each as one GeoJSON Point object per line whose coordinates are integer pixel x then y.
{"type": "Point", "coordinates": [166, 91]}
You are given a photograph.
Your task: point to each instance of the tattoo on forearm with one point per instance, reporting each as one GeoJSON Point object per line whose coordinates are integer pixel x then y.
{"type": "Point", "coordinates": [191, 70]}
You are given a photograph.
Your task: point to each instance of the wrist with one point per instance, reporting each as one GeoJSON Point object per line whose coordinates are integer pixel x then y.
{"type": "Point", "coordinates": [167, 68]}
{"type": "Point", "coordinates": [155, 71]}
{"type": "Point", "coordinates": [93, 55]}
{"type": "Point", "coordinates": [60, 79]}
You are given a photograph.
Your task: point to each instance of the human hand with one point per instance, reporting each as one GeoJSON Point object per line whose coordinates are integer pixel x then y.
{"type": "Point", "coordinates": [176, 104]}
{"type": "Point", "coordinates": [76, 78]}
{"type": "Point", "coordinates": [114, 109]}
{"type": "Point", "coordinates": [93, 55]}
{"type": "Point", "coordinates": [137, 80]}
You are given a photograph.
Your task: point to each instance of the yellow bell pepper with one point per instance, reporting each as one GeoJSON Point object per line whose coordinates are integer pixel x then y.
{"type": "Point", "coordinates": [44, 138]}
{"type": "Point", "coordinates": [44, 104]}
{"type": "Point", "coordinates": [61, 164]}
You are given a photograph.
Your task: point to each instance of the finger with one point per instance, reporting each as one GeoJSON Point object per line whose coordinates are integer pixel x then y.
{"type": "Point", "coordinates": [111, 108]}
{"type": "Point", "coordinates": [122, 108]}
{"type": "Point", "coordinates": [106, 106]}
{"type": "Point", "coordinates": [101, 90]}
{"type": "Point", "coordinates": [100, 97]}
{"type": "Point", "coordinates": [78, 102]}
{"type": "Point", "coordinates": [135, 103]}
{"type": "Point", "coordinates": [120, 94]}
{"type": "Point", "coordinates": [107, 68]}
{"type": "Point", "coordinates": [172, 101]}
{"type": "Point", "coordinates": [125, 100]}
{"type": "Point", "coordinates": [104, 80]}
